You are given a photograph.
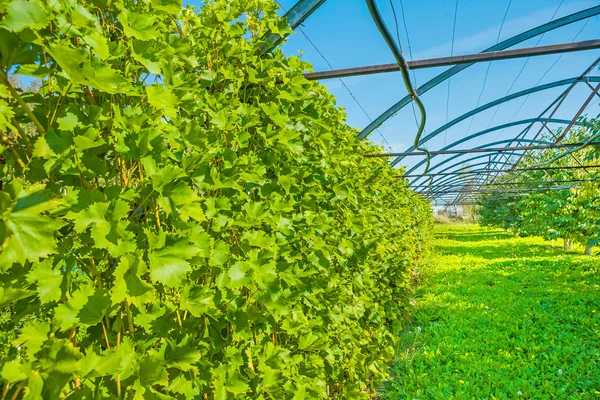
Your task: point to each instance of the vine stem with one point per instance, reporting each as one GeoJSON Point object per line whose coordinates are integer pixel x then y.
{"type": "Point", "coordinates": [59, 106]}
{"type": "Point", "coordinates": [179, 319]}
{"type": "Point", "coordinates": [13, 151]}
{"type": "Point", "coordinates": [119, 327]}
{"type": "Point", "coordinates": [22, 133]}
{"type": "Point", "coordinates": [156, 214]}
{"type": "Point", "coordinates": [73, 336]}
{"type": "Point", "coordinates": [5, 390]}
{"type": "Point", "coordinates": [22, 103]}
{"type": "Point", "coordinates": [84, 182]}
{"type": "Point", "coordinates": [129, 319]}
{"type": "Point", "coordinates": [89, 94]}
{"type": "Point", "coordinates": [105, 335]}
{"type": "Point", "coordinates": [18, 390]}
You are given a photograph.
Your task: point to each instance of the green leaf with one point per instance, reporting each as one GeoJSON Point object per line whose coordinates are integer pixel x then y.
{"type": "Point", "coordinates": [170, 6]}
{"type": "Point", "coordinates": [70, 60]}
{"type": "Point", "coordinates": [33, 337]}
{"type": "Point", "coordinates": [273, 112]}
{"type": "Point", "coordinates": [258, 239]}
{"type": "Point", "coordinates": [67, 314]}
{"type": "Point", "coordinates": [169, 266]}
{"type": "Point", "coordinates": [48, 281]}
{"type": "Point", "coordinates": [184, 387]}
{"type": "Point", "coordinates": [23, 14]}
{"type": "Point", "coordinates": [68, 122]}
{"type": "Point", "coordinates": [29, 235]}
{"type": "Point", "coordinates": [139, 25]}
{"type": "Point", "coordinates": [199, 301]}
{"type": "Point", "coordinates": [10, 295]}
{"type": "Point", "coordinates": [163, 99]}
{"type": "Point", "coordinates": [12, 372]}
{"type": "Point", "coordinates": [94, 214]}
{"type": "Point", "coordinates": [238, 274]}
{"type": "Point", "coordinates": [128, 284]}
{"type": "Point", "coordinates": [219, 254]}
{"type": "Point", "coordinates": [151, 372]}
{"type": "Point", "coordinates": [236, 386]}
{"type": "Point", "coordinates": [182, 355]}
{"type": "Point", "coordinates": [94, 309]}
{"type": "Point", "coordinates": [106, 79]}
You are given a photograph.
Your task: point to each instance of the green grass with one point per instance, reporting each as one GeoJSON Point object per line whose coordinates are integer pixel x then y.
{"type": "Point", "coordinates": [499, 317]}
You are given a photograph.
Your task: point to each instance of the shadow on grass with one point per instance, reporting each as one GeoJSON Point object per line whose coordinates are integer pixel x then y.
{"type": "Point", "coordinates": [503, 249]}
{"type": "Point", "coordinates": [475, 237]}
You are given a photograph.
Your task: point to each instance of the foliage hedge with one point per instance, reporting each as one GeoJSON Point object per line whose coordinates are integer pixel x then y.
{"type": "Point", "coordinates": [185, 216]}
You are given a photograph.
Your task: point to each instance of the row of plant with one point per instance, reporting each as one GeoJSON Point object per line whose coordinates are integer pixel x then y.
{"type": "Point", "coordinates": [566, 204]}
{"type": "Point", "coordinates": [183, 215]}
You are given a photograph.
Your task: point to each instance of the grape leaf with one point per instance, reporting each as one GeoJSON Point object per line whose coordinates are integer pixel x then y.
{"type": "Point", "coordinates": [163, 99]}
{"type": "Point", "coordinates": [48, 281]}
{"type": "Point", "coordinates": [23, 14]}
{"type": "Point", "coordinates": [33, 337]}
{"type": "Point", "coordinates": [168, 265]}
{"type": "Point", "coordinates": [138, 25]}
{"type": "Point", "coordinates": [92, 312]}
{"type": "Point", "coordinates": [29, 235]}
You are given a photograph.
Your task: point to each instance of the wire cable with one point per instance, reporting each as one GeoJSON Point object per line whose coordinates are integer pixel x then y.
{"type": "Point", "coordinates": [409, 51]}
{"type": "Point", "coordinates": [542, 77]}
{"type": "Point", "coordinates": [523, 67]}
{"type": "Point", "coordinates": [450, 78]}
{"type": "Point", "coordinates": [375, 14]}
{"type": "Point", "coordinates": [488, 68]}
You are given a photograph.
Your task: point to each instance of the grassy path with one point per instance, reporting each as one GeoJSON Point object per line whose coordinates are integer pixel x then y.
{"type": "Point", "coordinates": [501, 317]}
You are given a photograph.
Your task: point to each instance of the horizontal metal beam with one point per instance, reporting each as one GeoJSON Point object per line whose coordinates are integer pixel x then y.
{"type": "Point", "coordinates": [483, 171]}
{"type": "Point", "coordinates": [508, 190]}
{"type": "Point", "coordinates": [455, 185]}
{"type": "Point", "coordinates": [455, 60]}
{"type": "Point", "coordinates": [484, 150]}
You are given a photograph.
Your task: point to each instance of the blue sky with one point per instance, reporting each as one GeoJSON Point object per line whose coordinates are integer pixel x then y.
{"type": "Point", "coordinates": [345, 34]}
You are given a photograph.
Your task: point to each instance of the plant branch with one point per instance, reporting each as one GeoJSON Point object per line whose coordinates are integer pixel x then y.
{"type": "Point", "coordinates": [22, 103]}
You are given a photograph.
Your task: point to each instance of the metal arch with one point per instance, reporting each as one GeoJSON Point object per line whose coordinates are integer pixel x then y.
{"type": "Point", "coordinates": [590, 12]}
{"type": "Point", "coordinates": [454, 165]}
{"type": "Point", "coordinates": [494, 103]}
{"type": "Point", "coordinates": [495, 128]}
{"type": "Point", "coordinates": [449, 180]}
{"type": "Point", "coordinates": [464, 168]}
{"type": "Point", "coordinates": [460, 169]}
{"type": "Point", "coordinates": [454, 157]}
{"type": "Point", "coordinates": [469, 166]}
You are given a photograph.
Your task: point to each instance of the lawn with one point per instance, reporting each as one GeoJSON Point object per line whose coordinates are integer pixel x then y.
{"type": "Point", "coordinates": [497, 316]}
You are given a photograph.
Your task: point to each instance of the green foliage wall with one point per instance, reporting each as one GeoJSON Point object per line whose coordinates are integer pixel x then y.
{"type": "Point", "coordinates": [183, 216]}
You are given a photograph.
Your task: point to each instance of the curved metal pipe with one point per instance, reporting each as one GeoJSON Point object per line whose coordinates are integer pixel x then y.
{"type": "Point", "coordinates": [387, 36]}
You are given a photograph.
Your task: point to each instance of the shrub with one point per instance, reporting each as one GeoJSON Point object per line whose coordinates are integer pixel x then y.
{"type": "Point", "coordinates": [185, 216]}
